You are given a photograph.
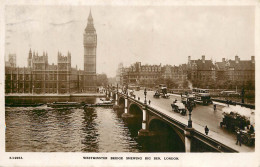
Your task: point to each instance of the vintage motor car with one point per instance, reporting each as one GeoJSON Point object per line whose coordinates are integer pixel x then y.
{"type": "Point", "coordinates": [179, 107]}
{"type": "Point", "coordinates": [236, 122]}
{"type": "Point", "coordinates": [165, 95]}
{"type": "Point", "coordinates": [156, 94]}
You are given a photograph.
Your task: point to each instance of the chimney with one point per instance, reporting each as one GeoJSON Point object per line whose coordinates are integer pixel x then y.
{"type": "Point", "coordinates": [188, 59]}
{"type": "Point", "coordinates": [223, 59]}
{"type": "Point", "coordinates": [236, 59]}
{"type": "Point", "coordinates": [203, 58]}
{"type": "Point", "coordinates": [253, 59]}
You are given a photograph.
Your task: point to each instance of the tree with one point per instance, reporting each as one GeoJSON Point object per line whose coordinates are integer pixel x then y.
{"type": "Point", "coordinates": [210, 84]}
{"type": "Point", "coordinates": [250, 85]}
{"type": "Point", "coordinates": [185, 84]}
{"type": "Point", "coordinates": [159, 80]}
{"type": "Point", "coordinates": [102, 80]}
{"type": "Point", "coordinates": [170, 83]}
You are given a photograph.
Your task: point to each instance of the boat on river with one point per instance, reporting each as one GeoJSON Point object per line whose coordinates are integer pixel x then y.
{"type": "Point", "coordinates": [23, 104]}
{"type": "Point", "coordinates": [65, 104]}
{"type": "Point", "coordinates": [102, 104]}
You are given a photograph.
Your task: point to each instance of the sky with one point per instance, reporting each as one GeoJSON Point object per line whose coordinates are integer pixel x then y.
{"type": "Point", "coordinates": [127, 34]}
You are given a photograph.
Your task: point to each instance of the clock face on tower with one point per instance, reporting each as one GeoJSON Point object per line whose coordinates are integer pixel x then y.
{"type": "Point", "coordinates": [89, 38]}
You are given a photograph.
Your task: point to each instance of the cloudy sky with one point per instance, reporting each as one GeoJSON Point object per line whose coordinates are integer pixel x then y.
{"type": "Point", "coordinates": [152, 35]}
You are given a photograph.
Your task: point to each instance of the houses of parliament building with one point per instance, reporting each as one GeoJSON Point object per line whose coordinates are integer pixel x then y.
{"type": "Point", "coordinates": [40, 77]}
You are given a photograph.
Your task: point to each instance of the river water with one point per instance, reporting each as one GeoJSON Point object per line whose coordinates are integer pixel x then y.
{"type": "Point", "coordinates": [44, 129]}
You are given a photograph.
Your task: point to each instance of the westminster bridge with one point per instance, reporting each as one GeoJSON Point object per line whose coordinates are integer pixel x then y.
{"type": "Point", "coordinates": [155, 122]}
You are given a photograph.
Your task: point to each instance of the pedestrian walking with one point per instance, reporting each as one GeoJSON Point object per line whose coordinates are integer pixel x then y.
{"type": "Point", "coordinates": [238, 137]}
{"type": "Point", "coordinates": [149, 102]}
{"type": "Point", "coordinates": [138, 98]}
{"type": "Point", "coordinates": [206, 130]}
{"type": "Point", "coordinates": [215, 107]}
{"type": "Point", "coordinates": [251, 129]}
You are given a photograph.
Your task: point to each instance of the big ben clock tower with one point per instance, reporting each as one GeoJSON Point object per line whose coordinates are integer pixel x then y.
{"type": "Point", "coordinates": [90, 45]}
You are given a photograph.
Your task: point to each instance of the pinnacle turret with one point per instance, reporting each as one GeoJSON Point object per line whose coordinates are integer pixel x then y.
{"type": "Point", "coordinates": [90, 26]}
{"type": "Point", "coordinates": [30, 54]}
{"type": "Point", "coordinates": [90, 16]}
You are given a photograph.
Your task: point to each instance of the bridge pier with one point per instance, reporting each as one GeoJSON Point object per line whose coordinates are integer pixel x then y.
{"type": "Point", "coordinates": [107, 93]}
{"type": "Point", "coordinates": [144, 131]}
{"type": "Point", "coordinates": [116, 106]}
{"type": "Point", "coordinates": [126, 110]}
{"type": "Point", "coordinates": [116, 100]}
{"type": "Point", "coordinates": [129, 119]}
{"type": "Point", "coordinates": [188, 138]}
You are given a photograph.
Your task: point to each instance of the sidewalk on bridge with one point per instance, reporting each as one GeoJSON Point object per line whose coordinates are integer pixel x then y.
{"type": "Point", "coordinates": [55, 95]}
{"type": "Point", "coordinates": [227, 140]}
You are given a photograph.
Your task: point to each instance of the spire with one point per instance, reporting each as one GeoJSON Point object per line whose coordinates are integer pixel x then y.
{"type": "Point", "coordinates": [90, 26]}
{"type": "Point", "coordinates": [30, 54]}
{"type": "Point", "coordinates": [90, 16]}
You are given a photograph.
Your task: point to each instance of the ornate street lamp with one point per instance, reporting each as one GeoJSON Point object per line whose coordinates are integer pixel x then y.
{"type": "Point", "coordinates": [189, 107]}
{"type": "Point", "coordinates": [126, 89]}
{"type": "Point", "coordinates": [145, 93]}
{"type": "Point", "coordinates": [242, 95]}
{"type": "Point", "coordinates": [107, 92]}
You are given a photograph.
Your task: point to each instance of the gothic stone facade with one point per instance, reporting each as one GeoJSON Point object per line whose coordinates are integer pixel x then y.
{"type": "Point", "coordinates": [90, 46]}
{"type": "Point", "coordinates": [41, 77]}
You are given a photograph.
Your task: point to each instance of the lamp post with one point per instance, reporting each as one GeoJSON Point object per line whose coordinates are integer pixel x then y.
{"type": "Point", "coordinates": [107, 92]}
{"type": "Point", "coordinates": [189, 107]}
{"type": "Point", "coordinates": [126, 89]}
{"type": "Point", "coordinates": [145, 93]}
{"type": "Point", "coordinates": [242, 95]}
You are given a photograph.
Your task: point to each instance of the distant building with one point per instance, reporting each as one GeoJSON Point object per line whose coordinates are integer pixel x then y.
{"type": "Point", "coordinates": [142, 75]}
{"type": "Point", "coordinates": [204, 72]}
{"type": "Point", "coordinates": [40, 77]}
{"type": "Point", "coordinates": [201, 70]}
{"type": "Point", "coordinates": [11, 62]}
{"type": "Point", "coordinates": [180, 74]}
{"type": "Point", "coordinates": [236, 70]}
{"type": "Point", "coordinates": [167, 71]}
{"type": "Point", "coordinates": [119, 74]}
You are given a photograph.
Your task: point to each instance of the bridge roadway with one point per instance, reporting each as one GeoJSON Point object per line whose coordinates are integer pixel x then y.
{"type": "Point", "coordinates": [201, 116]}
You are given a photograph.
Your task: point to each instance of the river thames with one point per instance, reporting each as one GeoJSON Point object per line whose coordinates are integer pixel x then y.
{"type": "Point", "coordinates": [45, 129]}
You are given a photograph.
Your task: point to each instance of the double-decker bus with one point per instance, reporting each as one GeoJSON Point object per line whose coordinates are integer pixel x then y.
{"type": "Point", "coordinates": [163, 89]}
{"type": "Point", "coordinates": [134, 87]}
{"type": "Point", "coordinates": [202, 96]}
